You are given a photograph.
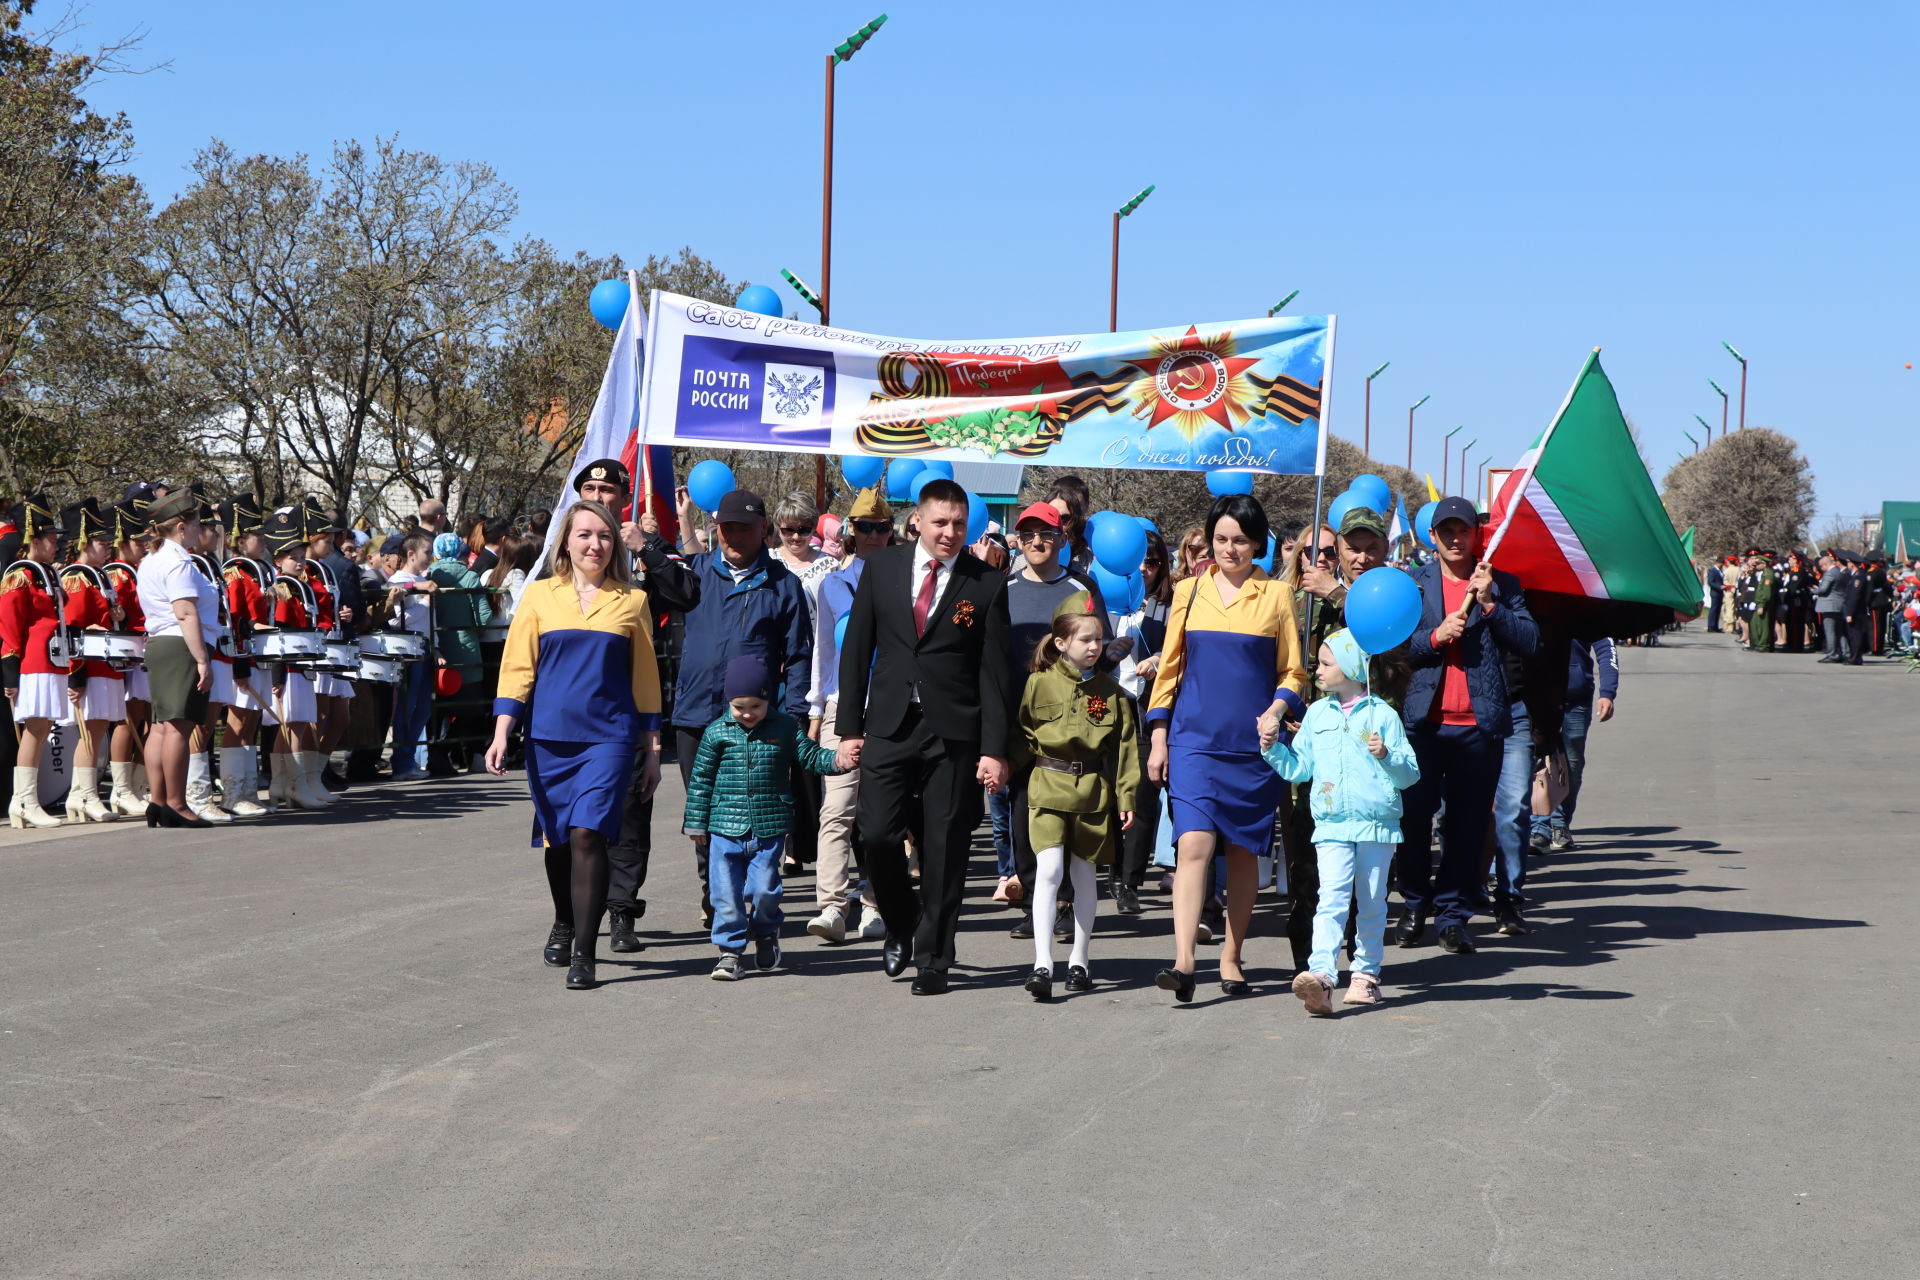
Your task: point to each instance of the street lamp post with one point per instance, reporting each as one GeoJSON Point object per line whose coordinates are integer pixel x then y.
{"type": "Point", "coordinates": [1446, 456]}
{"type": "Point", "coordinates": [1709, 429]}
{"type": "Point", "coordinates": [1743, 382]}
{"type": "Point", "coordinates": [1723, 412]}
{"type": "Point", "coordinates": [1366, 414]}
{"type": "Point", "coordinates": [1482, 497]}
{"type": "Point", "coordinates": [1463, 460]}
{"type": "Point", "coordinates": [1113, 289]}
{"type": "Point", "coordinates": [841, 52]}
{"type": "Point", "coordinates": [1280, 306]}
{"type": "Point", "coordinates": [1416, 404]}
{"type": "Point", "coordinates": [799, 286]}
{"type": "Point", "coordinates": [1691, 440]}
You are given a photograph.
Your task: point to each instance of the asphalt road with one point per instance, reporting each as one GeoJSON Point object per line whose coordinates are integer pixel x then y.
{"type": "Point", "coordinates": [326, 1046]}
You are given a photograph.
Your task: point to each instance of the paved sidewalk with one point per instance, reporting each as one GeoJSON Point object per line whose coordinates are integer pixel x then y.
{"type": "Point", "coordinates": [323, 1045]}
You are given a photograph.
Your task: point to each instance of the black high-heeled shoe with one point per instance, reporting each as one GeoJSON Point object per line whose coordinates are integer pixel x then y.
{"type": "Point", "coordinates": [1235, 987]}
{"type": "Point", "coordinates": [1181, 984]}
{"type": "Point", "coordinates": [157, 815]}
{"type": "Point", "coordinates": [179, 819]}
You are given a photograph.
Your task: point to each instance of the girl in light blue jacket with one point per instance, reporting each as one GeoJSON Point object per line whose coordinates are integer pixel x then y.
{"type": "Point", "coordinates": [1352, 747]}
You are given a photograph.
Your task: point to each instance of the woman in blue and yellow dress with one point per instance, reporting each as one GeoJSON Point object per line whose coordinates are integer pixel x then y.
{"type": "Point", "coordinates": [1231, 660]}
{"type": "Point", "coordinates": [579, 669]}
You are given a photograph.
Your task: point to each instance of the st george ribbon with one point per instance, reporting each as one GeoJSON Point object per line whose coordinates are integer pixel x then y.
{"type": "Point", "coordinates": [1242, 395]}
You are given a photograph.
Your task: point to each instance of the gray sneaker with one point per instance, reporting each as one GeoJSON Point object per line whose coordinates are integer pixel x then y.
{"type": "Point", "coordinates": [766, 954]}
{"type": "Point", "coordinates": [726, 968]}
{"type": "Point", "coordinates": [1561, 840]}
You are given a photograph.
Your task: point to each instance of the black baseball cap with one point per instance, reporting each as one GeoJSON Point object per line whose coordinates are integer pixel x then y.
{"type": "Point", "coordinates": [1455, 509]}
{"type": "Point", "coordinates": [740, 507]}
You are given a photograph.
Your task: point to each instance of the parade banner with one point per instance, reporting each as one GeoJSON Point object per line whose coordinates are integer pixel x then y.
{"type": "Point", "coordinates": [1244, 395]}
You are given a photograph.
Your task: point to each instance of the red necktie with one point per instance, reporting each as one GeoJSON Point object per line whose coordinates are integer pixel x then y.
{"type": "Point", "coordinates": [923, 603]}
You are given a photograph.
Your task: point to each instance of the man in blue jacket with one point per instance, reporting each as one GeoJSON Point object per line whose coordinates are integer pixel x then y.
{"type": "Point", "coordinates": [1457, 716]}
{"type": "Point", "coordinates": [743, 602]}
{"type": "Point", "coordinates": [1591, 666]}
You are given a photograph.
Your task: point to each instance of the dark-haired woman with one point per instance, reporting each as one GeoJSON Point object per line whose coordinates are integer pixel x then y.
{"type": "Point", "coordinates": [1070, 498]}
{"type": "Point", "coordinates": [1232, 653]}
{"type": "Point", "coordinates": [579, 669]}
{"type": "Point", "coordinates": [182, 608]}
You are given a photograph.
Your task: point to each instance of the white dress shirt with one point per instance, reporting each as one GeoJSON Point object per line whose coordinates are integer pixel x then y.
{"type": "Point", "coordinates": [921, 559]}
{"type": "Point", "coordinates": [166, 575]}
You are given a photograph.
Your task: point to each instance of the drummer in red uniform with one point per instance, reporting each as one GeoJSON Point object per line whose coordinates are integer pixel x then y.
{"type": "Point", "coordinates": [34, 682]}
{"type": "Point", "coordinates": [131, 539]}
{"type": "Point", "coordinates": [98, 689]}
{"type": "Point", "coordinates": [248, 580]}
{"type": "Point", "coordinates": [295, 763]}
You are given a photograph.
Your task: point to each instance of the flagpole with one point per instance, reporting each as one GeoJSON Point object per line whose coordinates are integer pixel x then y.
{"type": "Point", "coordinates": [1533, 462]}
{"type": "Point", "coordinates": [639, 381]}
{"type": "Point", "coordinates": [1319, 486]}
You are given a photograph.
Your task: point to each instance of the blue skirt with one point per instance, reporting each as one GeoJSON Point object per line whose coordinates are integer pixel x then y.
{"type": "Point", "coordinates": [1232, 793]}
{"type": "Point", "coordinates": [578, 784]}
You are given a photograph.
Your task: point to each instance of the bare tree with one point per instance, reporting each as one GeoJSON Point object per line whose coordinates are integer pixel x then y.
{"type": "Point", "coordinates": [1751, 488]}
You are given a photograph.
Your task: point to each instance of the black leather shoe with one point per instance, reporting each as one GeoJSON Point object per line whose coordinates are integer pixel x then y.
{"type": "Point", "coordinates": [331, 781]}
{"type": "Point", "coordinates": [930, 982]}
{"type": "Point", "coordinates": [580, 976]}
{"type": "Point", "coordinates": [180, 819]}
{"type": "Point", "coordinates": [559, 946]}
{"type": "Point", "coordinates": [158, 815]}
{"type": "Point", "coordinates": [1077, 979]}
{"type": "Point", "coordinates": [1412, 929]}
{"type": "Point", "coordinates": [895, 953]}
{"type": "Point", "coordinates": [1063, 923]}
{"type": "Point", "coordinates": [1040, 985]}
{"type": "Point", "coordinates": [1181, 984]}
{"type": "Point", "coordinates": [1235, 987]}
{"type": "Point", "coordinates": [1126, 899]}
{"type": "Point", "coordinates": [1507, 920]}
{"type": "Point", "coordinates": [620, 933]}
{"type": "Point", "coordinates": [1454, 938]}
{"type": "Point", "coordinates": [1024, 929]}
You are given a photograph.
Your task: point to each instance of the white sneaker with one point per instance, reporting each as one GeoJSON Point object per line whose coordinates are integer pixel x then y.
{"type": "Point", "coordinates": [415, 774]}
{"type": "Point", "coordinates": [873, 927]}
{"type": "Point", "coordinates": [830, 925]}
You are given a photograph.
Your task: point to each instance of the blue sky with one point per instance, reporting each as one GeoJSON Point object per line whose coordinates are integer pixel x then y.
{"type": "Point", "coordinates": [1481, 192]}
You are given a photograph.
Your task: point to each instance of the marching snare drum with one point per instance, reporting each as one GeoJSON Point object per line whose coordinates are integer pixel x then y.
{"type": "Point", "coordinates": [123, 649]}
{"type": "Point", "coordinates": [339, 658]}
{"type": "Point", "coordinates": [297, 647]}
{"type": "Point", "coordinates": [380, 669]}
{"type": "Point", "coordinates": [406, 646]}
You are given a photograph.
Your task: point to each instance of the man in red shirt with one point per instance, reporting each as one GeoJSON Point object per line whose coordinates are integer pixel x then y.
{"type": "Point", "coordinates": [1458, 716]}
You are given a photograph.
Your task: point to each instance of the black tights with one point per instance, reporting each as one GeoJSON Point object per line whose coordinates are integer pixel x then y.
{"type": "Point", "coordinates": [577, 876]}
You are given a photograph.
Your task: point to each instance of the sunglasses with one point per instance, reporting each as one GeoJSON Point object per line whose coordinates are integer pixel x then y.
{"type": "Point", "coordinates": [795, 530]}
{"type": "Point", "coordinates": [1155, 563]}
{"type": "Point", "coordinates": [1038, 535]}
{"type": "Point", "coordinates": [871, 526]}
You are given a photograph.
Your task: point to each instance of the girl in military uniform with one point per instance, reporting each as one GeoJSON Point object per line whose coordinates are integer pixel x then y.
{"type": "Point", "coordinates": [1078, 734]}
{"type": "Point", "coordinates": [34, 681]}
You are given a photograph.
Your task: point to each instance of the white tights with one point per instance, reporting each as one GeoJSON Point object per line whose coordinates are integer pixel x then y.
{"type": "Point", "coordinates": [1052, 865]}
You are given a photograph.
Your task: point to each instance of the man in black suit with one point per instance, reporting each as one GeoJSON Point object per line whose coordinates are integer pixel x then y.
{"type": "Point", "coordinates": [1856, 591]}
{"type": "Point", "coordinates": [925, 710]}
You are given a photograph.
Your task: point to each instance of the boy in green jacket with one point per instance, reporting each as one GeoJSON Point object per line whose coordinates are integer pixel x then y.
{"type": "Point", "coordinates": [740, 809]}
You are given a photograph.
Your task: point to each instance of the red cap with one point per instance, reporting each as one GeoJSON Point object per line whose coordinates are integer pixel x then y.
{"type": "Point", "coordinates": [1045, 512]}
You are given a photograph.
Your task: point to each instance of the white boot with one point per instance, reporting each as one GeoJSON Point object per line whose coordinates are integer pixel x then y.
{"type": "Point", "coordinates": [123, 799]}
{"type": "Point", "coordinates": [237, 787]}
{"type": "Point", "coordinates": [25, 810]}
{"type": "Point", "coordinates": [200, 789]}
{"type": "Point", "coordinates": [83, 797]}
{"type": "Point", "coordinates": [141, 791]}
{"type": "Point", "coordinates": [280, 788]}
{"type": "Point", "coordinates": [307, 791]}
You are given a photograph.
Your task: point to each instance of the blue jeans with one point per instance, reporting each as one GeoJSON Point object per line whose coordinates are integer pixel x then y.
{"type": "Point", "coordinates": [412, 704]}
{"type": "Point", "coordinates": [1459, 769]}
{"type": "Point", "coordinates": [1347, 871]}
{"type": "Point", "coordinates": [1000, 810]}
{"type": "Point", "coordinates": [743, 877]}
{"type": "Point", "coordinates": [1577, 719]}
{"type": "Point", "coordinates": [1511, 808]}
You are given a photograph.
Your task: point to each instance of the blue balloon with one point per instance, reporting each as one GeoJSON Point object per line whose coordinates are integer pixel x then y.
{"type": "Point", "coordinates": [1377, 493]}
{"type": "Point", "coordinates": [1338, 508]}
{"type": "Point", "coordinates": [1383, 607]}
{"type": "Point", "coordinates": [921, 479]}
{"type": "Point", "coordinates": [900, 474]}
{"type": "Point", "coordinates": [608, 302]}
{"type": "Point", "coordinates": [1147, 523]}
{"type": "Point", "coordinates": [1119, 543]}
{"type": "Point", "coordinates": [709, 482]}
{"type": "Point", "coordinates": [978, 516]}
{"type": "Point", "coordinates": [1266, 561]}
{"type": "Point", "coordinates": [862, 470]}
{"type": "Point", "coordinates": [940, 467]}
{"type": "Point", "coordinates": [760, 300]}
{"type": "Point", "coordinates": [1123, 593]}
{"type": "Point", "coordinates": [1423, 525]}
{"type": "Point", "coordinates": [1222, 483]}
